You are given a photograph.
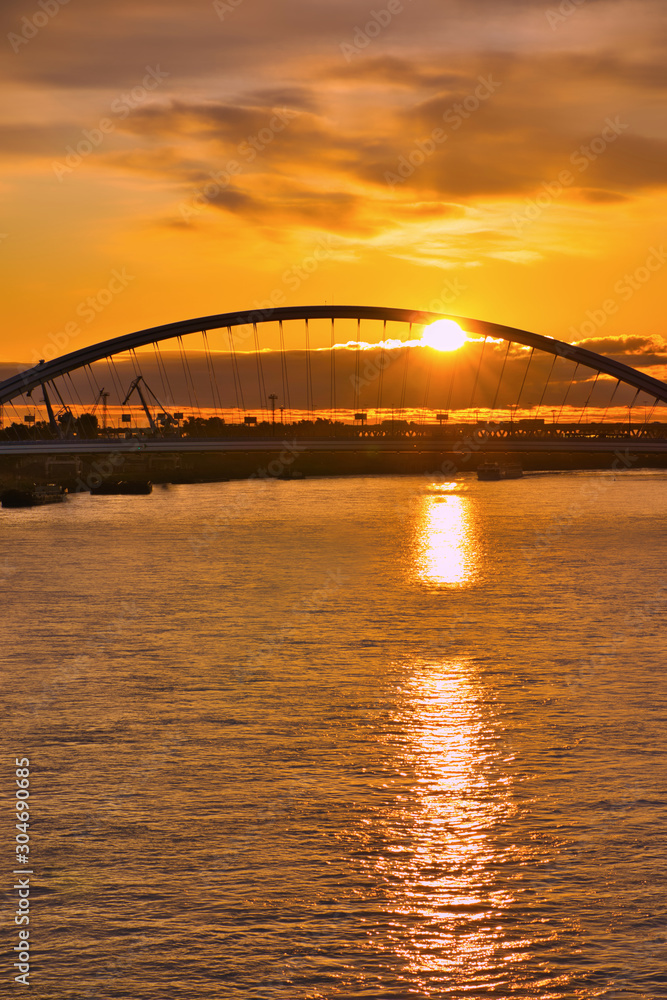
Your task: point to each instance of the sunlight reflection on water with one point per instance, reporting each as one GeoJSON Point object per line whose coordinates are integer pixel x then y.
{"type": "Point", "coordinates": [445, 545]}
{"type": "Point", "coordinates": [446, 906]}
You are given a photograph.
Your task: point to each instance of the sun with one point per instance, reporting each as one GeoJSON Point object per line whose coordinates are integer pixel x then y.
{"type": "Point", "coordinates": [444, 335]}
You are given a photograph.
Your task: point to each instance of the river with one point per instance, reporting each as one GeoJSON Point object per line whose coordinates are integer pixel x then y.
{"type": "Point", "coordinates": [375, 737]}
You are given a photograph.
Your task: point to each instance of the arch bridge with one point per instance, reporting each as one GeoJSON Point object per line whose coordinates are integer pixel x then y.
{"type": "Point", "coordinates": [333, 374]}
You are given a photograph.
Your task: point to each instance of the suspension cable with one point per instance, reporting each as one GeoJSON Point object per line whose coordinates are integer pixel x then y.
{"type": "Point", "coordinates": [238, 388]}
{"type": "Point", "coordinates": [502, 372]}
{"type": "Point", "coordinates": [15, 424]}
{"type": "Point", "coordinates": [618, 382]}
{"type": "Point", "coordinates": [185, 374]}
{"type": "Point", "coordinates": [590, 394]}
{"type": "Point", "coordinates": [525, 376]}
{"type": "Point", "coordinates": [92, 382]}
{"type": "Point", "coordinates": [333, 372]}
{"type": "Point", "coordinates": [116, 376]}
{"type": "Point", "coordinates": [455, 371]}
{"type": "Point", "coordinates": [75, 390]}
{"type": "Point", "coordinates": [261, 388]}
{"type": "Point", "coordinates": [479, 368]}
{"type": "Point", "coordinates": [546, 384]}
{"type": "Point", "coordinates": [357, 363]}
{"type": "Point", "coordinates": [215, 391]}
{"type": "Point", "coordinates": [284, 372]}
{"type": "Point", "coordinates": [162, 372]}
{"type": "Point", "coordinates": [567, 393]}
{"type": "Point", "coordinates": [652, 410]}
{"type": "Point", "coordinates": [309, 376]}
{"type": "Point", "coordinates": [188, 376]}
{"type": "Point", "coordinates": [634, 400]}
{"type": "Point", "coordinates": [405, 375]}
{"type": "Point", "coordinates": [382, 366]}
{"type": "Point", "coordinates": [135, 361]}
{"type": "Point", "coordinates": [427, 386]}
{"type": "Point", "coordinates": [115, 381]}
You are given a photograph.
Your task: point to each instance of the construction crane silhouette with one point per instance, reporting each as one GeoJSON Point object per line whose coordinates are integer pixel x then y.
{"type": "Point", "coordinates": [136, 387]}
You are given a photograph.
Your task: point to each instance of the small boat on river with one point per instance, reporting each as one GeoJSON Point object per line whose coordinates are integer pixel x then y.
{"type": "Point", "coordinates": [122, 488]}
{"type": "Point", "coordinates": [33, 496]}
{"type": "Point", "coordinates": [290, 474]}
{"type": "Point", "coordinates": [491, 472]}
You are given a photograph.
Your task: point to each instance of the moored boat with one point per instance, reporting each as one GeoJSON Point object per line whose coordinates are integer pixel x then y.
{"type": "Point", "coordinates": [290, 474]}
{"type": "Point", "coordinates": [495, 471]}
{"type": "Point", "coordinates": [122, 488]}
{"type": "Point", "coordinates": [33, 496]}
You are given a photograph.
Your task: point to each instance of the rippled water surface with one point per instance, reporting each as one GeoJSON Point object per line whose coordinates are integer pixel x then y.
{"type": "Point", "coordinates": [368, 737]}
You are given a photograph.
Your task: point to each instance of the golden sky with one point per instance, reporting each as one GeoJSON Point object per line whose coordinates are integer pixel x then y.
{"type": "Point", "coordinates": [500, 159]}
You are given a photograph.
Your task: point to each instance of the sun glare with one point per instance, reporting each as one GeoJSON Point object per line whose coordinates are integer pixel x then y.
{"type": "Point", "coordinates": [444, 335]}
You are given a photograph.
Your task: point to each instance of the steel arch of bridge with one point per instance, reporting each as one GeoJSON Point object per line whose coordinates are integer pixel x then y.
{"type": "Point", "coordinates": [47, 370]}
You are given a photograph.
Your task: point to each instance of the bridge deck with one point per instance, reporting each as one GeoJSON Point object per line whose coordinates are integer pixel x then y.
{"type": "Point", "coordinates": [305, 445]}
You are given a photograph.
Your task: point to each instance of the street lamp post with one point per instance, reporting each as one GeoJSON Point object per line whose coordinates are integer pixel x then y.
{"type": "Point", "coordinates": [273, 399]}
